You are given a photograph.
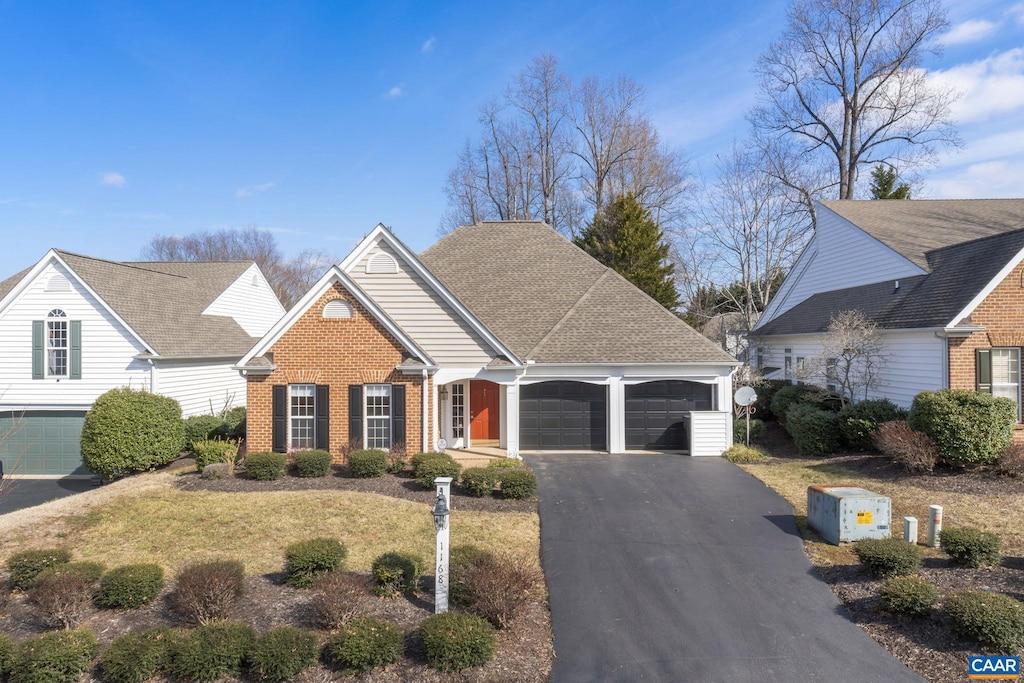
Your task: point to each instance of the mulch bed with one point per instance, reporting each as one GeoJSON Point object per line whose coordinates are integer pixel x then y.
{"type": "Point", "coordinates": [925, 644]}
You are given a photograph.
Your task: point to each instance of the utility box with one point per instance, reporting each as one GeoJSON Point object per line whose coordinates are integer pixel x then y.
{"type": "Point", "coordinates": [841, 514]}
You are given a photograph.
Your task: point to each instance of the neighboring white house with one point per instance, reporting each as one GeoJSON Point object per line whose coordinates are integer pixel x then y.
{"type": "Point", "coordinates": [72, 327]}
{"type": "Point", "coordinates": [941, 278]}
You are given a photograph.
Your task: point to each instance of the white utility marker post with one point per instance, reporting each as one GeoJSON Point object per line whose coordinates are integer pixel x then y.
{"type": "Point", "coordinates": [910, 530]}
{"type": "Point", "coordinates": [441, 513]}
{"type": "Point", "coordinates": [934, 525]}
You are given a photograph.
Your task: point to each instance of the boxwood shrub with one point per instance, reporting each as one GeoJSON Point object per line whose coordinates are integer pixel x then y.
{"type": "Point", "coordinates": [739, 430]}
{"type": "Point", "coordinates": [766, 390]}
{"type": "Point", "coordinates": [910, 595]}
{"type": "Point", "coordinates": [282, 653]}
{"type": "Point", "coordinates": [518, 484]}
{"type": "Point", "coordinates": [129, 431]}
{"type": "Point", "coordinates": [858, 420]}
{"type": "Point", "coordinates": [992, 619]}
{"type": "Point", "coordinates": [972, 547]}
{"type": "Point", "coordinates": [265, 465]}
{"type": "Point", "coordinates": [305, 561]}
{"type": "Point", "coordinates": [214, 452]}
{"type": "Point", "coordinates": [211, 651]}
{"type": "Point", "coordinates": [814, 431]}
{"type": "Point", "coordinates": [395, 573]}
{"type": "Point", "coordinates": [53, 657]}
{"type": "Point", "coordinates": [140, 655]}
{"type": "Point", "coordinates": [796, 394]}
{"type": "Point", "coordinates": [479, 481]}
{"type": "Point", "coordinates": [200, 428]}
{"type": "Point", "coordinates": [435, 465]}
{"type": "Point", "coordinates": [25, 566]}
{"type": "Point", "coordinates": [886, 557]}
{"type": "Point", "coordinates": [130, 586]}
{"type": "Point", "coordinates": [365, 643]}
{"type": "Point", "coordinates": [368, 462]}
{"type": "Point", "coordinates": [454, 640]}
{"type": "Point", "coordinates": [969, 428]}
{"type": "Point", "coordinates": [313, 463]}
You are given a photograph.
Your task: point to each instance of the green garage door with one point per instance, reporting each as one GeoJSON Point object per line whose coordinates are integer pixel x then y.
{"type": "Point", "coordinates": [42, 443]}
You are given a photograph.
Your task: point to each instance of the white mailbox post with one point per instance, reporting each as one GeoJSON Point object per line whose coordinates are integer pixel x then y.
{"type": "Point", "coordinates": [442, 514]}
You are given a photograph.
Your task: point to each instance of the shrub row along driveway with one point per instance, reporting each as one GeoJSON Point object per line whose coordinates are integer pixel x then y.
{"type": "Point", "coordinates": [668, 568]}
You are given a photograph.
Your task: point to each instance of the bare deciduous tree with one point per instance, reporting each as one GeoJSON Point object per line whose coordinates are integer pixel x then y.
{"type": "Point", "coordinates": [853, 355]}
{"type": "Point", "coordinates": [845, 81]}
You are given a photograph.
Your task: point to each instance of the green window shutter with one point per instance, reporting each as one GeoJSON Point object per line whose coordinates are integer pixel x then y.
{"type": "Point", "coordinates": [355, 415]}
{"type": "Point", "coordinates": [983, 370]}
{"type": "Point", "coordinates": [279, 419]}
{"type": "Point", "coordinates": [322, 409]}
{"type": "Point", "coordinates": [75, 369]}
{"type": "Point", "coordinates": [398, 414]}
{"type": "Point", "coordinates": [38, 353]}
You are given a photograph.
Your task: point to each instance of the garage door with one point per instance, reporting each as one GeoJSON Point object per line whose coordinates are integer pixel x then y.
{"type": "Point", "coordinates": [42, 443]}
{"type": "Point", "coordinates": [558, 416]}
{"type": "Point", "coordinates": [657, 413]}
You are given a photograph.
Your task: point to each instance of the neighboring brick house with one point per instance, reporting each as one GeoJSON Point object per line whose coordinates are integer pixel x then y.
{"type": "Point", "coordinates": [944, 279]}
{"type": "Point", "coordinates": [502, 334]}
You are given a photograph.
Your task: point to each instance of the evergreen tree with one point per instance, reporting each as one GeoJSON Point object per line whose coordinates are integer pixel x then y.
{"type": "Point", "coordinates": [625, 238]}
{"type": "Point", "coordinates": [883, 184]}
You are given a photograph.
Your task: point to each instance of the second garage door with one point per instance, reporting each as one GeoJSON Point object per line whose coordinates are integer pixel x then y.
{"type": "Point", "coordinates": [558, 416]}
{"type": "Point", "coordinates": [42, 443]}
{"type": "Point", "coordinates": [658, 413]}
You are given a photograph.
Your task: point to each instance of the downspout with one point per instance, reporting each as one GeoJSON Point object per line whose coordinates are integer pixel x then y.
{"type": "Point", "coordinates": [154, 386]}
{"type": "Point", "coordinates": [423, 419]}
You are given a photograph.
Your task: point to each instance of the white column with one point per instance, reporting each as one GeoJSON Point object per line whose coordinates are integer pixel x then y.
{"type": "Point", "coordinates": [512, 419]}
{"type": "Point", "coordinates": [443, 485]}
{"type": "Point", "coordinates": [616, 415]}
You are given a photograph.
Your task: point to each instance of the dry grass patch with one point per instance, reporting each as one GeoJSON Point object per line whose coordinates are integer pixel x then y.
{"type": "Point", "coordinates": [171, 527]}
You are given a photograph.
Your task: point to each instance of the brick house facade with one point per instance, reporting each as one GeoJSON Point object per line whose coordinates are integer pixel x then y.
{"type": "Point", "coordinates": [336, 353]}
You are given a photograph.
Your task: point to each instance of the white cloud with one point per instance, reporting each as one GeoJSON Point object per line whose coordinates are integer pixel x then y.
{"type": "Point", "coordinates": [987, 179]}
{"type": "Point", "coordinates": [249, 191]}
{"type": "Point", "coordinates": [428, 44]}
{"type": "Point", "coordinates": [969, 31]}
{"type": "Point", "coordinates": [396, 90]}
{"type": "Point", "coordinates": [112, 179]}
{"type": "Point", "coordinates": [1016, 13]}
{"type": "Point", "coordinates": [990, 86]}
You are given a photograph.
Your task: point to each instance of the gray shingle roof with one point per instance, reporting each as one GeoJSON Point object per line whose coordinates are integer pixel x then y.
{"type": "Point", "coordinates": [547, 300]}
{"type": "Point", "coordinates": [957, 274]}
{"type": "Point", "coordinates": [163, 301]}
{"type": "Point", "coordinates": [915, 227]}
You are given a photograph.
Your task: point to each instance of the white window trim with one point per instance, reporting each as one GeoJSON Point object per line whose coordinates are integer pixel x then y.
{"type": "Point", "coordinates": [366, 416]}
{"type": "Point", "coordinates": [292, 417]}
{"type": "Point", "coordinates": [58, 317]}
{"type": "Point", "coordinates": [1016, 385]}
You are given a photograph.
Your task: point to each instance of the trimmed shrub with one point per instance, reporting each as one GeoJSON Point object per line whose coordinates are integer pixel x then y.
{"type": "Point", "coordinates": [814, 431]}
{"type": "Point", "coordinates": [368, 462]}
{"type": "Point", "coordinates": [200, 428]}
{"type": "Point", "coordinates": [130, 586]}
{"type": "Point", "coordinates": [456, 641]}
{"type": "Point", "coordinates": [211, 651]}
{"type": "Point", "coordinates": [6, 654]}
{"type": "Point", "coordinates": [396, 465]}
{"type": "Point", "coordinates": [766, 390]}
{"type": "Point", "coordinates": [233, 425]}
{"type": "Point", "coordinates": [969, 428]}
{"type": "Point", "coordinates": [739, 430]}
{"type": "Point", "coordinates": [65, 593]}
{"type": "Point", "coordinates": [282, 653]}
{"type": "Point", "coordinates": [479, 481]}
{"type": "Point", "coordinates": [395, 573]}
{"type": "Point", "coordinates": [992, 619]}
{"type": "Point", "coordinates": [214, 452]}
{"type": "Point", "coordinates": [337, 596]}
{"type": "Point", "coordinates": [313, 463]}
{"type": "Point", "coordinates": [265, 465]}
{"type": "Point", "coordinates": [206, 591]}
{"type": "Point", "coordinates": [129, 431]}
{"type": "Point", "coordinates": [366, 643]}
{"type": "Point", "coordinates": [306, 560]}
{"type": "Point", "coordinates": [857, 421]}
{"type": "Point", "coordinates": [909, 595]}
{"type": "Point", "coordinates": [971, 547]}
{"type": "Point", "coordinates": [497, 587]}
{"type": "Point", "coordinates": [518, 484]}
{"type": "Point", "coordinates": [25, 566]}
{"type": "Point", "coordinates": [434, 466]}
{"type": "Point", "coordinates": [1011, 461]}
{"type": "Point", "coordinates": [139, 656]}
{"type": "Point", "coordinates": [504, 464]}
{"type": "Point", "coordinates": [53, 657]}
{"type": "Point", "coordinates": [745, 454]}
{"type": "Point", "coordinates": [797, 394]}
{"type": "Point", "coordinates": [886, 557]}
{"type": "Point", "coordinates": [912, 449]}
{"type": "Point", "coordinates": [418, 458]}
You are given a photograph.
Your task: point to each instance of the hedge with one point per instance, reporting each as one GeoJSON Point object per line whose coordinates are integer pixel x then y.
{"type": "Point", "coordinates": [968, 427]}
{"type": "Point", "coordinates": [814, 431]}
{"type": "Point", "coordinates": [129, 431]}
{"type": "Point", "coordinates": [857, 421]}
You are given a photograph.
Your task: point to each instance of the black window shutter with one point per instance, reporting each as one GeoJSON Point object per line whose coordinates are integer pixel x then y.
{"type": "Point", "coordinates": [355, 415]}
{"type": "Point", "coordinates": [279, 440]}
{"type": "Point", "coordinates": [398, 414]}
{"type": "Point", "coordinates": [323, 417]}
{"type": "Point", "coordinates": [38, 357]}
{"type": "Point", "coordinates": [983, 370]}
{"type": "Point", "coordinates": [75, 368]}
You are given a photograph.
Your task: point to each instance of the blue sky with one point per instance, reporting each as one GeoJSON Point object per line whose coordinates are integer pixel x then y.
{"type": "Point", "coordinates": [317, 120]}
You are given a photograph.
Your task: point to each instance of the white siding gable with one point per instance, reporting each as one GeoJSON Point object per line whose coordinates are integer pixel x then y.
{"type": "Point", "coordinates": [840, 255]}
{"type": "Point", "coordinates": [107, 346]}
{"type": "Point", "coordinates": [421, 312]}
{"type": "Point", "coordinates": [250, 301]}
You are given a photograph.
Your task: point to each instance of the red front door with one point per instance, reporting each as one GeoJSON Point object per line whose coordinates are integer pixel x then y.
{"type": "Point", "coordinates": [484, 422]}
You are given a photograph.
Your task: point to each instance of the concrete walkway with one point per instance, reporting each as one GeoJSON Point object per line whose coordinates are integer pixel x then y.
{"type": "Point", "coordinates": [670, 568]}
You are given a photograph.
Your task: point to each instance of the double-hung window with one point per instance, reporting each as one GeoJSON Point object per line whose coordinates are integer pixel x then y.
{"type": "Point", "coordinates": [1006, 375]}
{"type": "Point", "coordinates": [302, 414]}
{"type": "Point", "coordinates": [378, 416]}
{"type": "Point", "coordinates": [57, 344]}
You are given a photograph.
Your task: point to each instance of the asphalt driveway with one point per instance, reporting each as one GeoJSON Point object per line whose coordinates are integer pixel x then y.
{"type": "Point", "coordinates": [670, 568]}
{"type": "Point", "coordinates": [18, 494]}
